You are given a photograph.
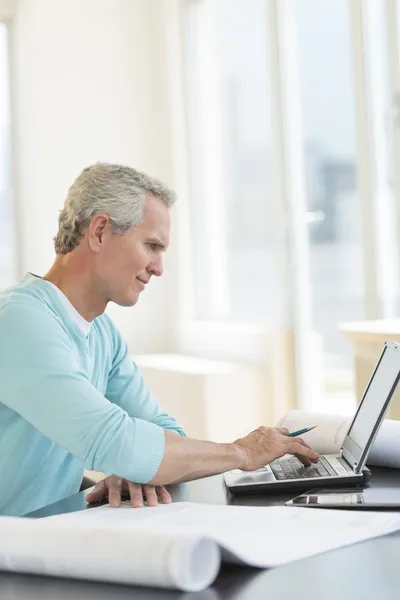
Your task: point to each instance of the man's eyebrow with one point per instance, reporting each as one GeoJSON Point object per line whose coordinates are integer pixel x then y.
{"type": "Point", "coordinates": [157, 242]}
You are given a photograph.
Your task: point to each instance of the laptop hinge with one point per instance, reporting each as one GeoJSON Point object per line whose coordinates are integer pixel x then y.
{"type": "Point", "coordinates": [350, 459]}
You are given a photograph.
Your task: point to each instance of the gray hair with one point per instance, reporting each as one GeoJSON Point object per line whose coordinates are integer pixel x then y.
{"type": "Point", "coordinates": [116, 190]}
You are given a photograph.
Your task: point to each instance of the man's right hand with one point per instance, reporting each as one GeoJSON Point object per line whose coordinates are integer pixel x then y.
{"type": "Point", "coordinates": [265, 444]}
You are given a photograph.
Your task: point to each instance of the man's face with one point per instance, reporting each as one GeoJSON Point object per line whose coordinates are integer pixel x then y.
{"type": "Point", "coordinates": [127, 262]}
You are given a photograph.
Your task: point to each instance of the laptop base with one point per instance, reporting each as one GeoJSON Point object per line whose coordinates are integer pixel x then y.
{"type": "Point", "coordinates": [262, 481]}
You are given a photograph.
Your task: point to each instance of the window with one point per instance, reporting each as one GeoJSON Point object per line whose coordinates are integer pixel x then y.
{"type": "Point", "coordinates": [293, 140]}
{"type": "Point", "coordinates": [235, 244]}
{"type": "Point", "coordinates": [7, 233]}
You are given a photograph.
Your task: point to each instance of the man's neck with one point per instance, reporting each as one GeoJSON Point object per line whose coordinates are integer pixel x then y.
{"type": "Point", "coordinates": [75, 283]}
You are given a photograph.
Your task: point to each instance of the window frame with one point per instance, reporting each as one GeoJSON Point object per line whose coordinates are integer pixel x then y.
{"type": "Point", "coordinates": [7, 13]}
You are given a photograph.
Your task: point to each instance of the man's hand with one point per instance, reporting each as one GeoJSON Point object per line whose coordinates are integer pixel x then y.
{"type": "Point", "coordinates": [265, 444]}
{"type": "Point", "coordinates": [114, 487]}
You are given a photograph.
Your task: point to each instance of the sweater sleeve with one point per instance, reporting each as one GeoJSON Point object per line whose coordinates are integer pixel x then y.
{"type": "Point", "coordinates": [127, 389]}
{"type": "Point", "coordinates": [42, 380]}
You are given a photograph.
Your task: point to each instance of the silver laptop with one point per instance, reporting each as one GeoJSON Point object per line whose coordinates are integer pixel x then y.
{"type": "Point", "coordinates": [346, 468]}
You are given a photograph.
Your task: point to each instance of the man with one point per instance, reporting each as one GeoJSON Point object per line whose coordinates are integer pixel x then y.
{"type": "Point", "coordinates": [70, 396]}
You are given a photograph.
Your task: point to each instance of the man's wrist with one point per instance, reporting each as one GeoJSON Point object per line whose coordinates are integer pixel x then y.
{"type": "Point", "coordinates": [237, 456]}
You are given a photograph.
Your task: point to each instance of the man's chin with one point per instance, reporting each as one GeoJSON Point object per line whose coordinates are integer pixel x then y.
{"type": "Point", "coordinates": [127, 301]}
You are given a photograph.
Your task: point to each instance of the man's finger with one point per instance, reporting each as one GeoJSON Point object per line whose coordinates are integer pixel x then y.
{"type": "Point", "coordinates": [303, 443]}
{"type": "Point", "coordinates": [114, 491]}
{"type": "Point", "coordinates": [163, 494]}
{"type": "Point", "coordinates": [302, 451]}
{"type": "Point", "coordinates": [151, 495]}
{"type": "Point", "coordinates": [99, 492]}
{"type": "Point", "coordinates": [304, 456]}
{"type": "Point", "coordinates": [136, 494]}
{"type": "Point", "coordinates": [306, 460]}
{"type": "Point", "coordinates": [283, 430]}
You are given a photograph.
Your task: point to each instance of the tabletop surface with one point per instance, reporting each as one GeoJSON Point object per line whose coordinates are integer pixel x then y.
{"type": "Point", "coordinates": [368, 569]}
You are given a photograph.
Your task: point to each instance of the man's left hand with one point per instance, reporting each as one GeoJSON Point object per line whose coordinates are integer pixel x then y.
{"type": "Point", "coordinates": [114, 487]}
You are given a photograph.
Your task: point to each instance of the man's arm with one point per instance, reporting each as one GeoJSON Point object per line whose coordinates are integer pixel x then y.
{"type": "Point", "coordinates": [127, 389]}
{"type": "Point", "coordinates": [42, 380]}
{"type": "Point", "coordinates": [186, 459]}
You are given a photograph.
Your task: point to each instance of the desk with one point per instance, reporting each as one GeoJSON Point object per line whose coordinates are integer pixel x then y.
{"type": "Point", "coordinates": [369, 569]}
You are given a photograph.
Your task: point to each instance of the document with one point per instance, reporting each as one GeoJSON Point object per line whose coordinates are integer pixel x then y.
{"type": "Point", "coordinates": [179, 545]}
{"type": "Point", "coordinates": [328, 436]}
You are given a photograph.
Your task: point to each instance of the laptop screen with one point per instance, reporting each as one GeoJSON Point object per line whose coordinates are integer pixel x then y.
{"type": "Point", "coordinates": [375, 401]}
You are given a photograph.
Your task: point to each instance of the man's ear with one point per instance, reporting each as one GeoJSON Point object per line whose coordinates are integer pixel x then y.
{"type": "Point", "coordinates": [97, 229]}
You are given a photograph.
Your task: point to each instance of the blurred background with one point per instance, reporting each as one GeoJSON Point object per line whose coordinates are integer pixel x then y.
{"type": "Point", "coordinates": [277, 122]}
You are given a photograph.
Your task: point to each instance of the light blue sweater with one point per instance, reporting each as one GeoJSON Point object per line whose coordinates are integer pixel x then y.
{"type": "Point", "coordinates": [67, 402]}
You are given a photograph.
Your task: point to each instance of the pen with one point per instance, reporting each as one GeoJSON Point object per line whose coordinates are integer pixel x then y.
{"type": "Point", "coordinates": [300, 431]}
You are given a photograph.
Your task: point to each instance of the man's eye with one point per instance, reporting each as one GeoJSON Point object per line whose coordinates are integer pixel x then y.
{"type": "Point", "coordinates": [153, 247]}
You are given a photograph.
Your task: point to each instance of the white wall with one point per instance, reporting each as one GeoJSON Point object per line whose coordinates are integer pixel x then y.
{"type": "Point", "coordinates": [88, 85]}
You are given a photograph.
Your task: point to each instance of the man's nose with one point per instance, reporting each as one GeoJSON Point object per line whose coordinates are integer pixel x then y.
{"type": "Point", "coordinates": [156, 267]}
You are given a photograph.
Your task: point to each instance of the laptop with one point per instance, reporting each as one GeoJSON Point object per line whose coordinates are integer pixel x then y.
{"type": "Point", "coordinates": [346, 468]}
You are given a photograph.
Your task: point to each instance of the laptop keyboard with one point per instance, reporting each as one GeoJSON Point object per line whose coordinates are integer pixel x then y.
{"type": "Point", "coordinates": [292, 468]}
